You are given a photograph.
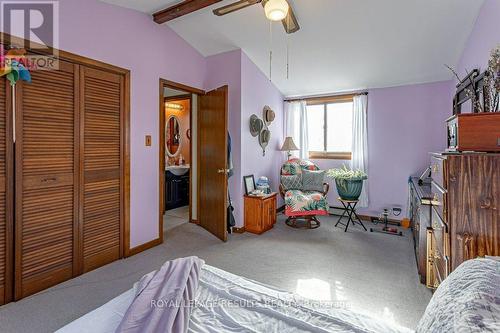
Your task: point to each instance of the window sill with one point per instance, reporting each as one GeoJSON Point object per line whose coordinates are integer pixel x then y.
{"type": "Point", "coordinates": [320, 155]}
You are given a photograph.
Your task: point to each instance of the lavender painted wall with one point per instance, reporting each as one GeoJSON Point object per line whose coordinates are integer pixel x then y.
{"type": "Point", "coordinates": [131, 40]}
{"type": "Point", "coordinates": [249, 91]}
{"type": "Point", "coordinates": [484, 37]}
{"type": "Point", "coordinates": [258, 91]}
{"type": "Point", "coordinates": [404, 124]}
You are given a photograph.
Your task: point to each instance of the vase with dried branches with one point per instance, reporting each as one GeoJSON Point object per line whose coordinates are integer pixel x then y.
{"type": "Point", "coordinates": [491, 90]}
{"type": "Point", "coordinates": [468, 91]}
{"type": "Point", "coordinates": [492, 82]}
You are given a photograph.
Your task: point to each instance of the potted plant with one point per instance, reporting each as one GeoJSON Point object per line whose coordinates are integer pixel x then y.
{"type": "Point", "coordinates": [349, 182]}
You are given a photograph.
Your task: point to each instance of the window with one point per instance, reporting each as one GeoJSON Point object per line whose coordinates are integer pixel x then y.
{"type": "Point", "coordinates": [330, 127]}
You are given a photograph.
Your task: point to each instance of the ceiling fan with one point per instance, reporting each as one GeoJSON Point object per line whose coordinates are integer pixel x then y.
{"type": "Point", "coordinates": [276, 10]}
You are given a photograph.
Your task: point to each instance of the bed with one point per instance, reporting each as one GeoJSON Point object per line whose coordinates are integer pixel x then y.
{"type": "Point", "coordinates": [220, 296]}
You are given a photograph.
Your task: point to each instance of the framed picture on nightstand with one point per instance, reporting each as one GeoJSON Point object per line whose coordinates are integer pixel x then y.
{"type": "Point", "coordinates": [249, 184]}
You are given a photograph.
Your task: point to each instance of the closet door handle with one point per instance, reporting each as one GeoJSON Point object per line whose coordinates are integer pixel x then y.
{"type": "Point", "coordinates": [49, 179]}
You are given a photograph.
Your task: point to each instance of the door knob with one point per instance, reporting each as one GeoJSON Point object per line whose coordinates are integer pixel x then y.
{"type": "Point", "coordinates": [223, 171]}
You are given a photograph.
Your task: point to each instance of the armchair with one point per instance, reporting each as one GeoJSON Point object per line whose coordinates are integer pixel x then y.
{"type": "Point", "coordinates": [299, 204]}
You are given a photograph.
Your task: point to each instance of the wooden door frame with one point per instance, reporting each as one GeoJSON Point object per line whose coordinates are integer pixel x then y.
{"type": "Point", "coordinates": [125, 130]}
{"type": "Point", "coordinates": [161, 151]}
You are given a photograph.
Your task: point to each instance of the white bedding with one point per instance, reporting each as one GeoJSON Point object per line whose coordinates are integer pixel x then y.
{"type": "Point", "coordinates": [468, 300]}
{"type": "Point", "coordinates": [218, 309]}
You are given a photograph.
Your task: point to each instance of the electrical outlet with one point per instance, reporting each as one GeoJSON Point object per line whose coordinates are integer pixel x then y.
{"type": "Point", "coordinates": [148, 140]}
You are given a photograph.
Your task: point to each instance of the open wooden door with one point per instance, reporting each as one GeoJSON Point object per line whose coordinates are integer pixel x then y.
{"type": "Point", "coordinates": [212, 146]}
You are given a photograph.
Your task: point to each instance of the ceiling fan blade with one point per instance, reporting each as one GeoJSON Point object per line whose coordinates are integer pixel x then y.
{"type": "Point", "coordinates": [235, 6]}
{"type": "Point", "coordinates": [290, 22]}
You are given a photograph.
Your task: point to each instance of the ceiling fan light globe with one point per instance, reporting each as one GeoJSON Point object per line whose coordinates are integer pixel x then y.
{"type": "Point", "coordinates": [276, 10]}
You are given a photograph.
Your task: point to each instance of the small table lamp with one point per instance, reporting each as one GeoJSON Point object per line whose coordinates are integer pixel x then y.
{"type": "Point", "coordinates": [288, 146]}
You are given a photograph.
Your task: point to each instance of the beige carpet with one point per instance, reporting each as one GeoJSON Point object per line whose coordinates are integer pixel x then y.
{"type": "Point", "coordinates": [175, 217]}
{"type": "Point", "coordinates": [370, 272]}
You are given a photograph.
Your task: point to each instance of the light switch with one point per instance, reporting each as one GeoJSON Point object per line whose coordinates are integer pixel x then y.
{"type": "Point", "coordinates": [148, 140]}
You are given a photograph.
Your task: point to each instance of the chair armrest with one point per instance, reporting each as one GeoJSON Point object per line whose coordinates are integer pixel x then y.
{"type": "Point", "coordinates": [326, 188]}
{"type": "Point", "coordinates": [282, 191]}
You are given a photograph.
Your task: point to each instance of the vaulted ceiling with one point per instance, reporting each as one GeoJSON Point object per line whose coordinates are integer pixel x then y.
{"type": "Point", "coordinates": [342, 45]}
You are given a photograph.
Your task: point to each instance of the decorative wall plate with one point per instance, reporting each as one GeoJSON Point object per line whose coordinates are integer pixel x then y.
{"type": "Point", "coordinates": [268, 115]}
{"type": "Point", "coordinates": [256, 125]}
{"type": "Point", "coordinates": [264, 138]}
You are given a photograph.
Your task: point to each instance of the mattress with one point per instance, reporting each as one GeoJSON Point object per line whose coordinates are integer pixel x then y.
{"type": "Point", "coordinates": [229, 303]}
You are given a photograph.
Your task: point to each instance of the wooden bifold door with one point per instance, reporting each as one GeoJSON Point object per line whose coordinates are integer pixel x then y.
{"type": "Point", "coordinates": [47, 169]}
{"type": "Point", "coordinates": [67, 216]}
{"type": "Point", "coordinates": [101, 147]}
{"type": "Point", "coordinates": [6, 199]}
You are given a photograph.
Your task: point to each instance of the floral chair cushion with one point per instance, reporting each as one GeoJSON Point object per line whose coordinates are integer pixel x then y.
{"type": "Point", "coordinates": [295, 167]}
{"type": "Point", "coordinates": [298, 202]}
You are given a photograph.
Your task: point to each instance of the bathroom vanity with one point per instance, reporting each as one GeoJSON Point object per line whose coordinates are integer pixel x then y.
{"type": "Point", "coordinates": [176, 186]}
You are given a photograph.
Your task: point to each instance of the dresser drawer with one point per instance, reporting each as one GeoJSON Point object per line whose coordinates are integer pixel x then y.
{"type": "Point", "coordinates": [439, 199]}
{"type": "Point", "coordinates": [439, 270]}
{"type": "Point", "coordinates": [438, 260]}
{"type": "Point", "coordinates": [422, 223]}
{"type": "Point", "coordinates": [437, 170]}
{"type": "Point", "coordinates": [440, 229]}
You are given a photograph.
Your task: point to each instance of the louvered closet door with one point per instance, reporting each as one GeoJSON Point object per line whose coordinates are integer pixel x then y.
{"type": "Point", "coordinates": [5, 191]}
{"type": "Point", "coordinates": [47, 175]}
{"type": "Point", "coordinates": [102, 144]}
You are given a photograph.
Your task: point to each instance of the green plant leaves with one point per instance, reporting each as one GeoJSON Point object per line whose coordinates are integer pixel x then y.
{"type": "Point", "coordinates": [346, 173]}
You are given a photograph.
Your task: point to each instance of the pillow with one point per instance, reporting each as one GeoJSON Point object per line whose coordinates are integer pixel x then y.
{"type": "Point", "coordinates": [293, 182]}
{"type": "Point", "coordinates": [313, 180]}
{"type": "Point", "coordinates": [307, 165]}
{"type": "Point", "coordinates": [291, 168]}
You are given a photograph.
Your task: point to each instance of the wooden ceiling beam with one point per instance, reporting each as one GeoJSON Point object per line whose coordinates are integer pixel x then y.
{"type": "Point", "coordinates": [181, 9]}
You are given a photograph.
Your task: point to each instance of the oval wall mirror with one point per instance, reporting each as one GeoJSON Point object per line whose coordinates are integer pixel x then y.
{"type": "Point", "coordinates": [173, 136]}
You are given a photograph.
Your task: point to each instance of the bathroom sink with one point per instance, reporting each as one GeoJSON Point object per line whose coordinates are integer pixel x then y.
{"type": "Point", "coordinates": [178, 170]}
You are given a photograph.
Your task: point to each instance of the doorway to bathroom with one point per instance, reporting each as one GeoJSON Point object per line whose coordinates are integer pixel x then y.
{"type": "Point", "coordinates": [178, 188]}
{"type": "Point", "coordinates": [193, 159]}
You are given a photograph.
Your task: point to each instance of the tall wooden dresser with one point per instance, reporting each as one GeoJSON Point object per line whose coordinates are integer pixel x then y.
{"type": "Point", "coordinates": [465, 215]}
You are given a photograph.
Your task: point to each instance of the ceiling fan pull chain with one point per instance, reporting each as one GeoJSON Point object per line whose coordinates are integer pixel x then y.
{"type": "Point", "coordinates": [288, 50]}
{"type": "Point", "coordinates": [270, 50]}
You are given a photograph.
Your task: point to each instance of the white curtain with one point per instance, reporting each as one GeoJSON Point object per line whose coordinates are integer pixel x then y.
{"type": "Point", "coordinates": [296, 126]}
{"type": "Point", "coordinates": [360, 143]}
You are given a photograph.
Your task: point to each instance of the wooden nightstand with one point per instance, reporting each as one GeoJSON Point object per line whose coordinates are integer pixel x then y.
{"type": "Point", "coordinates": [260, 213]}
